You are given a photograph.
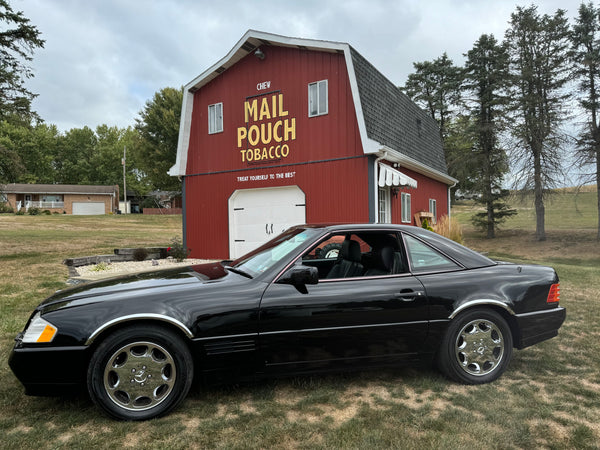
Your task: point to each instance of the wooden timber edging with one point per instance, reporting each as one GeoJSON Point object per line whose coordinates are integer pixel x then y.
{"type": "Point", "coordinates": [120, 255]}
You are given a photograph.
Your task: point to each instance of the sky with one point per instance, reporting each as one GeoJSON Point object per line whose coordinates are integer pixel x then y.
{"type": "Point", "coordinates": [103, 59]}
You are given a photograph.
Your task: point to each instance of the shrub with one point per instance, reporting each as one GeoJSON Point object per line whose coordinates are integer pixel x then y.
{"type": "Point", "coordinates": [177, 250]}
{"type": "Point", "coordinates": [99, 267]}
{"type": "Point", "coordinates": [450, 228]}
{"type": "Point", "coordinates": [140, 254]}
{"type": "Point", "coordinates": [20, 212]}
{"type": "Point", "coordinates": [34, 211]}
{"type": "Point", "coordinates": [4, 208]}
{"type": "Point", "coordinates": [425, 224]}
{"type": "Point", "coordinates": [46, 212]}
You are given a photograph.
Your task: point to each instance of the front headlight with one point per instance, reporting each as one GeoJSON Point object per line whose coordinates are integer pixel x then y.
{"type": "Point", "coordinates": [39, 331]}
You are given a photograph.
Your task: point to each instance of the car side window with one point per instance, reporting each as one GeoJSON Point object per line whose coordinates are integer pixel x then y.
{"type": "Point", "coordinates": [425, 259]}
{"type": "Point", "coordinates": [356, 255]}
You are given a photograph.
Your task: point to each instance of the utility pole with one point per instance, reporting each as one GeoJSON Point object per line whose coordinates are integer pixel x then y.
{"type": "Point", "coordinates": [124, 181]}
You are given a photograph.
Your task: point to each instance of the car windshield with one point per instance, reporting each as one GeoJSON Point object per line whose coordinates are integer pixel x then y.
{"type": "Point", "coordinates": [269, 254]}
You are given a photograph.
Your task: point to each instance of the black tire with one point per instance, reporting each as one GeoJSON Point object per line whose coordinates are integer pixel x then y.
{"type": "Point", "coordinates": [476, 347]}
{"type": "Point", "coordinates": [330, 251]}
{"type": "Point", "coordinates": [140, 372]}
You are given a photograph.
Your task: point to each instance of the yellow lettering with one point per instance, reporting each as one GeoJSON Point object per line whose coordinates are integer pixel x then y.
{"type": "Point", "coordinates": [243, 153]}
{"type": "Point", "coordinates": [264, 153]}
{"type": "Point", "coordinates": [276, 134]}
{"type": "Point", "coordinates": [271, 152]}
{"type": "Point", "coordinates": [242, 133]}
{"type": "Point", "coordinates": [285, 150]}
{"type": "Point", "coordinates": [253, 135]}
{"type": "Point", "coordinates": [289, 130]}
{"type": "Point", "coordinates": [257, 154]}
{"type": "Point", "coordinates": [282, 113]}
{"type": "Point", "coordinates": [250, 109]}
{"type": "Point", "coordinates": [263, 135]}
{"type": "Point", "coordinates": [277, 154]}
{"type": "Point", "coordinates": [274, 106]}
{"type": "Point", "coordinates": [264, 110]}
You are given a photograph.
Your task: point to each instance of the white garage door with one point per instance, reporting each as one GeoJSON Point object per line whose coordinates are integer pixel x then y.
{"type": "Point", "coordinates": [257, 215]}
{"type": "Point", "coordinates": [88, 208]}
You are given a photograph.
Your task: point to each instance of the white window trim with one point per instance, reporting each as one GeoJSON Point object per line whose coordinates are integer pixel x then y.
{"type": "Point", "coordinates": [318, 84]}
{"type": "Point", "coordinates": [433, 208]}
{"type": "Point", "coordinates": [387, 213]}
{"type": "Point", "coordinates": [406, 210]}
{"type": "Point", "coordinates": [219, 121]}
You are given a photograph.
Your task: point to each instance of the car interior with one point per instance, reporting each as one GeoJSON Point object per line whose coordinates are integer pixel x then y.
{"type": "Point", "coordinates": [362, 254]}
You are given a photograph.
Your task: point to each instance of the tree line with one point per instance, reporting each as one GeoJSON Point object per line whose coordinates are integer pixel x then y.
{"type": "Point", "coordinates": [509, 107]}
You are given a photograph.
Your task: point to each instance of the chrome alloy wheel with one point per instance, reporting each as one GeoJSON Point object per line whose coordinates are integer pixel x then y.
{"type": "Point", "coordinates": [479, 347]}
{"type": "Point", "coordinates": [139, 376]}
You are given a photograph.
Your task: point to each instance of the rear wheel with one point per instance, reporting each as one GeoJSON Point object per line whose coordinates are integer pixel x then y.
{"type": "Point", "coordinates": [476, 347]}
{"type": "Point", "coordinates": [140, 372]}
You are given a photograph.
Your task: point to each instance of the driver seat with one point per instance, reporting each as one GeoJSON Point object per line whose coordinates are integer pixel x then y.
{"type": "Point", "coordinates": [348, 263]}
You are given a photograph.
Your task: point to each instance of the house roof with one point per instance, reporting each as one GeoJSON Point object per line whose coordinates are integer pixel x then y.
{"type": "Point", "coordinates": [390, 124]}
{"type": "Point", "coordinates": [16, 188]}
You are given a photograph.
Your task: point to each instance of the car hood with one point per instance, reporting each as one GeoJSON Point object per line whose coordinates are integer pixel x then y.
{"type": "Point", "coordinates": [92, 292]}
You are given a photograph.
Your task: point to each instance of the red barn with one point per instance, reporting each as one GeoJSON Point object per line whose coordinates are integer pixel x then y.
{"type": "Point", "coordinates": [283, 131]}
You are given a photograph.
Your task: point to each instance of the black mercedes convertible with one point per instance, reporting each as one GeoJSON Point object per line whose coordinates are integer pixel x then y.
{"type": "Point", "coordinates": [315, 298]}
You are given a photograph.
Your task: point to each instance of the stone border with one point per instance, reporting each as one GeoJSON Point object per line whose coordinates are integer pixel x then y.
{"type": "Point", "coordinates": [120, 255]}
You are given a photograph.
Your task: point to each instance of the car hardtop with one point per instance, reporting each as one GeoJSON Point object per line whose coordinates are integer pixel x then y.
{"type": "Point", "coordinates": [468, 258]}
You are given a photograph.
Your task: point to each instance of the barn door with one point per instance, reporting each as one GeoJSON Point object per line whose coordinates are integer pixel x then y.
{"type": "Point", "coordinates": [257, 215]}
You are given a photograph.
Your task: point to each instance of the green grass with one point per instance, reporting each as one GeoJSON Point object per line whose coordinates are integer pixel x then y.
{"type": "Point", "coordinates": [549, 397]}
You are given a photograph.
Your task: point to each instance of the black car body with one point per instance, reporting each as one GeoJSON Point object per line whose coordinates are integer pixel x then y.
{"type": "Point", "coordinates": [393, 295]}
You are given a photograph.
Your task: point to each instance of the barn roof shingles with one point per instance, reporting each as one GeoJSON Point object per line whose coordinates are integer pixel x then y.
{"type": "Point", "coordinates": [394, 120]}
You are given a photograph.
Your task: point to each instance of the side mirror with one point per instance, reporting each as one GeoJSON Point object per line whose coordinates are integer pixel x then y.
{"type": "Point", "coordinates": [300, 276]}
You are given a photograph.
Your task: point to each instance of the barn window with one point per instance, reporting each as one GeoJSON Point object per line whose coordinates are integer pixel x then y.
{"type": "Point", "coordinates": [406, 210]}
{"type": "Point", "coordinates": [215, 118]}
{"type": "Point", "coordinates": [384, 205]}
{"type": "Point", "coordinates": [318, 103]}
{"type": "Point", "coordinates": [433, 207]}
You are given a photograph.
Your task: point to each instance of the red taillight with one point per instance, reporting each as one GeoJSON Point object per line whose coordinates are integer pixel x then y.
{"type": "Point", "coordinates": [554, 294]}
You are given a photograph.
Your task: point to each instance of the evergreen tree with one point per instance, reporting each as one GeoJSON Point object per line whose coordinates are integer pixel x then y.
{"type": "Point", "coordinates": [538, 48]}
{"type": "Point", "coordinates": [486, 79]}
{"type": "Point", "coordinates": [585, 54]}
{"type": "Point", "coordinates": [435, 86]}
{"type": "Point", "coordinates": [18, 40]}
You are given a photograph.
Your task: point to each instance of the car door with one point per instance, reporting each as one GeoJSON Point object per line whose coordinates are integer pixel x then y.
{"type": "Point", "coordinates": [356, 321]}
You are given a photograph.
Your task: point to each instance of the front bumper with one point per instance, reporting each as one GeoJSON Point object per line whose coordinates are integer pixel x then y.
{"type": "Point", "coordinates": [538, 326]}
{"type": "Point", "coordinates": [49, 370]}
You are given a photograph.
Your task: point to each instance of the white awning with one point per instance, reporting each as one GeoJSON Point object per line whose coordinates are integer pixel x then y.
{"type": "Point", "coordinates": [388, 176]}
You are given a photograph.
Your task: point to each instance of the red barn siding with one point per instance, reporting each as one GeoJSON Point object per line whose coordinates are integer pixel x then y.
{"type": "Point", "coordinates": [290, 71]}
{"type": "Point", "coordinates": [331, 199]}
{"type": "Point", "coordinates": [427, 188]}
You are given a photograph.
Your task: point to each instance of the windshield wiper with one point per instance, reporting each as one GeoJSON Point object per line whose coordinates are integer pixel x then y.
{"type": "Point", "coordinates": [239, 271]}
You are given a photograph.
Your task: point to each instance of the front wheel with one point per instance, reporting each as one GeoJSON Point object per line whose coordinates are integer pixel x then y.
{"type": "Point", "coordinates": [140, 372]}
{"type": "Point", "coordinates": [476, 347]}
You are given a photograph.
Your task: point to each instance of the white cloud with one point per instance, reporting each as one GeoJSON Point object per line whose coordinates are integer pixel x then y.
{"type": "Point", "coordinates": [105, 58]}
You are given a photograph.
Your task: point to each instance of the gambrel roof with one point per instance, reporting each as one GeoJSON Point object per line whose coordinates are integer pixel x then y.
{"type": "Point", "coordinates": [390, 124]}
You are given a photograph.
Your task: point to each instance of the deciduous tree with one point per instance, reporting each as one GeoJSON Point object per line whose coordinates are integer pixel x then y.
{"type": "Point", "coordinates": [158, 127]}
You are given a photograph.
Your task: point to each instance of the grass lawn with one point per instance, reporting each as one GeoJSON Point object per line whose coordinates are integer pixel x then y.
{"type": "Point", "coordinates": [549, 397]}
